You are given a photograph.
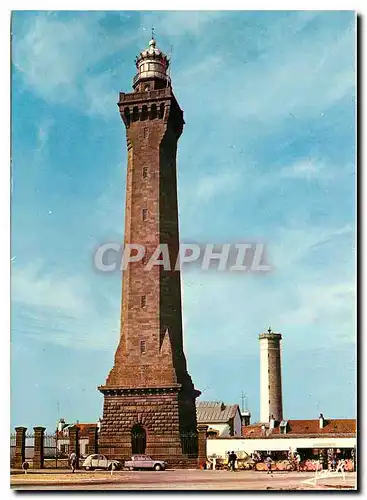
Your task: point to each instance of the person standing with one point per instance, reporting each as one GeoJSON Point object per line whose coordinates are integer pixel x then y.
{"type": "Point", "coordinates": [298, 461]}
{"type": "Point", "coordinates": [72, 461]}
{"type": "Point", "coordinates": [232, 461]}
{"type": "Point", "coordinates": [268, 462]}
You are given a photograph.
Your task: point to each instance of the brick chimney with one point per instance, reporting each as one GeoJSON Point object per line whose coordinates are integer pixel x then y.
{"type": "Point", "coordinates": [246, 418]}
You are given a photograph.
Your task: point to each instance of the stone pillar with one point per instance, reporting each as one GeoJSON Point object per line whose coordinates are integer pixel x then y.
{"type": "Point", "coordinates": [92, 440]}
{"type": "Point", "coordinates": [74, 443]}
{"type": "Point", "coordinates": [19, 447]}
{"type": "Point", "coordinates": [38, 455]}
{"type": "Point", "coordinates": [202, 431]}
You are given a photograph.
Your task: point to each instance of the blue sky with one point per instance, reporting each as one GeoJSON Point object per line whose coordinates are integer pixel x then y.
{"type": "Point", "coordinates": [267, 155]}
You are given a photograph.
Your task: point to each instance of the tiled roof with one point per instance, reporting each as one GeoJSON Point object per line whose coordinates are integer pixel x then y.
{"type": "Point", "coordinates": [214, 411]}
{"type": "Point", "coordinates": [83, 428]}
{"type": "Point", "coordinates": [306, 427]}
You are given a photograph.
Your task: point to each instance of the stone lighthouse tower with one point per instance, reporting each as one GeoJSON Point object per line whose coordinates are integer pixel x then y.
{"type": "Point", "coordinates": [271, 405]}
{"type": "Point", "coordinates": [149, 397]}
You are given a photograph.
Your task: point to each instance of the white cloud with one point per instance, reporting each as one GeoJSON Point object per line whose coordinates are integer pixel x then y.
{"type": "Point", "coordinates": [60, 310]}
{"type": "Point", "coordinates": [175, 23]}
{"type": "Point", "coordinates": [302, 79]}
{"type": "Point", "coordinates": [301, 301]}
{"type": "Point", "coordinates": [295, 242]}
{"type": "Point", "coordinates": [210, 186]}
{"type": "Point", "coordinates": [44, 131]}
{"type": "Point", "coordinates": [59, 59]}
{"type": "Point", "coordinates": [32, 286]}
{"type": "Point", "coordinates": [306, 169]}
{"type": "Point", "coordinates": [293, 74]}
{"type": "Point", "coordinates": [333, 305]}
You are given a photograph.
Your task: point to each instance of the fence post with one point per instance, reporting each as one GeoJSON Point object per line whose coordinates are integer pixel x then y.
{"type": "Point", "coordinates": [74, 443]}
{"type": "Point", "coordinates": [92, 440]}
{"type": "Point", "coordinates": [202, 430]}
{"type": "Point", "coordinates": [39, 455]}
{"type": "Point", "coordinates": [19, 446]}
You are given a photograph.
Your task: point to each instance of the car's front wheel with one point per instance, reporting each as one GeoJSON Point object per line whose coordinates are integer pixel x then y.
{"type": "Point", "coordinates": [157, 467]}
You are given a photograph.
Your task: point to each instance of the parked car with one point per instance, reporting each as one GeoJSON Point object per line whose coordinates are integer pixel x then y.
{"type": "Point", "coordinates": [100, 462]}
{"type": "Point", "coordinates": [145, 462]}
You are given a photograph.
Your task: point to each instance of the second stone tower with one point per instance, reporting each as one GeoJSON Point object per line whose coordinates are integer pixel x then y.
{"type": "Point", "coordinates": [271, 401]}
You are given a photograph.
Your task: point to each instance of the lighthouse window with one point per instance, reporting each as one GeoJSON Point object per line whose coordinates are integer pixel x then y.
{"type": "Point", "coordinates": [135, 114]}
{"type": "Point", "coordinates": [142, 347]}
{"type": "Point", "coordinates": [145, 213]}
{"type": "Point", "coordinates": [161, 111]}
{"type": "Point", "coordinates": [145, 172]}
{"type": "Point", "coordinates": [143, 301]}
{"type": "Point", "coordinates": [153, 111]}
{"type": "Point", "coordinates": [144, 116]}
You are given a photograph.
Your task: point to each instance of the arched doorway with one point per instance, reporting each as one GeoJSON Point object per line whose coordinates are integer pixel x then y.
{"type": "Point", "coordinates": [138, 439]}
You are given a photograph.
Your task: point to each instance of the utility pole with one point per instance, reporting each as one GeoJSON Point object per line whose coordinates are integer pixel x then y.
{"type": "Point", "coordinates": [244, 402]}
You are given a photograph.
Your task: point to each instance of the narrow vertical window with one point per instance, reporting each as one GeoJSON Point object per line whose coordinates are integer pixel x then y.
{"type": "Point", "coordinates": [143, 301]}
{"type": "Point", "coordinates": [146, 128]}
{"type": "Point", "coordinates": [142, 347]}
{"type": "Point", "coordinates": [145, 172]}
{"type": "Point", "coordinates": [145, 213]}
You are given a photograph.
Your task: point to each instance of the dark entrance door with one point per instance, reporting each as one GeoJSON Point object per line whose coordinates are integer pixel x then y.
{"type": "Point", "coordinates": [138, 440]}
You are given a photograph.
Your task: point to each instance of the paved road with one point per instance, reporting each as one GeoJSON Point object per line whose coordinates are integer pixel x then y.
{"type": "Point", "coordinates": [178, 480]}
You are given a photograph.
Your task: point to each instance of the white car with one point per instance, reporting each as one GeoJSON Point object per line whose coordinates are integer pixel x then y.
{"type": "Point", "coordinates": [100, 462]}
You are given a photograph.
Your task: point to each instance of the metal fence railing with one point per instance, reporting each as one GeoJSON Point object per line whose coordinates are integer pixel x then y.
{"type": "Point", "coordinates": [55, 453]}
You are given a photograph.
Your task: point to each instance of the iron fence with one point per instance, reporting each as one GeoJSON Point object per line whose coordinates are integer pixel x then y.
{"type": "Point", "coordinates": [12, 448]}
{"type": "Point", "coordinates": [29, 448]}
{"type": "Point", "coordinates": [55, 452]}
{"type": "Point", "coordinates": [56, 448]}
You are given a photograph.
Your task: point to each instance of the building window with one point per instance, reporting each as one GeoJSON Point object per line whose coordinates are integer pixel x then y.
{"type": "Point", "coordinates": [146, 131]}
{"type": "Point", "coordinates": [145, 214]}
{"type": "Point", "coordinates": [142, 347]}
{"type": "Point", "coordinates": [143, 301]}
{"type": "Point", "coordinates": [145, 172]}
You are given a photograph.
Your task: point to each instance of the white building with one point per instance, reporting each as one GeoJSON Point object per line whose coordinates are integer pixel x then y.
{"type": "Point", "coordinates": [63, 439]}
{"type": "Point", "coordinates": [306, 436]}
{"type": "Point", "coordinates": [223, 420]}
